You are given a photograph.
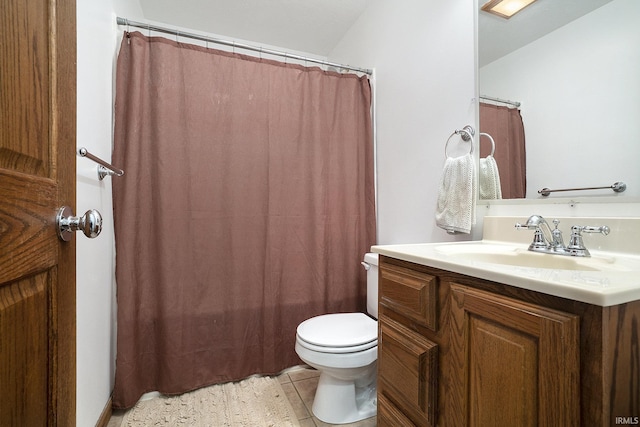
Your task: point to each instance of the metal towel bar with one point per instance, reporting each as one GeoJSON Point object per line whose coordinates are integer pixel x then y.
{"type": "Point", "coordinates": [618, 187]}
{"type": "Point", "coordinates": [104, 168]}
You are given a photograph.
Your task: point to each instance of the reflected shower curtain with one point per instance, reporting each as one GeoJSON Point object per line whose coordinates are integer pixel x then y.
{"type": "Point", "coordinates": [246, 207]}
{"type": "Point", "coordinates": [505, 125]}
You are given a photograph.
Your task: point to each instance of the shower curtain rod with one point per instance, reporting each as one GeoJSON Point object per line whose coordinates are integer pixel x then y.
{"type": "Point", "coordinates": [128, 23]}
{"type": "Point", "coordinates": [504, 101]}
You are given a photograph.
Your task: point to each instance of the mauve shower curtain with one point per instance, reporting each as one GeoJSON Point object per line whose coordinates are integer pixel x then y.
{"type": "Point", "coordinates": [505, 125]}
{"type": "Point", "coordinates": [246, 207]}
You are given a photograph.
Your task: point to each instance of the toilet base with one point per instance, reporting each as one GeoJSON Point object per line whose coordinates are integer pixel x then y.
{"type": "Point", "coordinates": [343, 401]}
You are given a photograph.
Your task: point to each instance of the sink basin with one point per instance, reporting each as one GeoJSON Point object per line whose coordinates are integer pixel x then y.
{"type": "Point", "coordinates": [521, 257]}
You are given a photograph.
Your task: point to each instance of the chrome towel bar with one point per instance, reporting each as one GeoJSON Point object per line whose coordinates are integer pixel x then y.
{"type": "Point", "coordinates": [618, 187]}
{"type": "Point", "coordinates": [104, 168]}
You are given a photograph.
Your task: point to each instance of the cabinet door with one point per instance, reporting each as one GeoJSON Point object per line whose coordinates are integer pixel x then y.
{"type": "Point", "coordinates": [411, 293]}
{"type": "Point", "coordinates": [517, 363]}
{"type": "Point", "coordinates": [408, 373]}
{"type": "Point", "coordinates": [390, 416]}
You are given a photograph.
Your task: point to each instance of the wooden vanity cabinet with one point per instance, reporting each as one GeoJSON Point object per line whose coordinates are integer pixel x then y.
{"type": "Point", "coordinates": [459, 351]}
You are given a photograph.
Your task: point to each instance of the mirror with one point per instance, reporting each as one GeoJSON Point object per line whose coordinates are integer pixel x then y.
{"type": "Point", "coordinates": [573, 66]}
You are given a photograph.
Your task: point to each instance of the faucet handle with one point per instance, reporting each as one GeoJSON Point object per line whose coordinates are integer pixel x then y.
{"type": "Point", "coordinates": [576, 245]}
{"type": "Point", "coordinates": [539, 243]}
{"type": "Point", "coordinates": [533, 223]}
{"type": "Point", "coordinates": [588, 229]}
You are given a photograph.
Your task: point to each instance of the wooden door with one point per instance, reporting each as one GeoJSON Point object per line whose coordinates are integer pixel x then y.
{"type": "Point", "coordinates": [37, 176]}
{"type": "Point", "coordinates": [518, 362]}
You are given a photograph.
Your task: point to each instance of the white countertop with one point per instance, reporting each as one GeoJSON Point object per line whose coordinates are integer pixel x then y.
{"type": "Point", "coordinates": [614, 280]}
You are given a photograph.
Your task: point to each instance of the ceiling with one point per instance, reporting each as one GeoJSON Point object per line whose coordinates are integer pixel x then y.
{"type": "Point", "coordinates": [497, 36]}
{"type": "Point", "coordinates": [316, 26]}
{"type": "Point", "coordinates": [308, 26]}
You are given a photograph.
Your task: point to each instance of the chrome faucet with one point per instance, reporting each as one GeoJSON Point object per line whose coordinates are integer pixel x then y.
{"type": "Point", "coordinates": [549, 241]}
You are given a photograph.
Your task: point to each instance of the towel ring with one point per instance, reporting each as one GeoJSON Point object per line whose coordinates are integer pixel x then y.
{"type": "Point", "coordinates": [466, 134]}
{"type": "Point", "coordinates": [493, 143]}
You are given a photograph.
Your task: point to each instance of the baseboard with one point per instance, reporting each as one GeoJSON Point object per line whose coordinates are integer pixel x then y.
{"type": "Point", "coordinates": [105, 416]}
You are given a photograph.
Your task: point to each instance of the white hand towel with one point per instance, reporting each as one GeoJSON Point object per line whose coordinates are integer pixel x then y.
{"type": "Point", "coordinates": [489, 179]}
{"type": "Point", "coordinates": [455, 210]}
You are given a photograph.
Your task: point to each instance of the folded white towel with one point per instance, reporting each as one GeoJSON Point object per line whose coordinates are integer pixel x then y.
{"type": "Point", "coordinates": [489, 179]}
{"type": "Point", "coordinates": [455, 210]}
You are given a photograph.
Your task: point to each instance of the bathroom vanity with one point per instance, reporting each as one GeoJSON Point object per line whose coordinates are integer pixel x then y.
{"type": "Point", "coordinates": [480, 333]}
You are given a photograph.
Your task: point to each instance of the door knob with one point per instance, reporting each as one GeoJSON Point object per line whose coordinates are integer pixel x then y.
{"type": "Point", "coordinates": [90, 223]}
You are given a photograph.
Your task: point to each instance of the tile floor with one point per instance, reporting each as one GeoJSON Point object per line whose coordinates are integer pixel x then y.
{"type": "Point", "coordinates": [299, 384]}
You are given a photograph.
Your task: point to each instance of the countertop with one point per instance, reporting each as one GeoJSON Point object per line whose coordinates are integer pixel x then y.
{"type": "Point", "coordinates": [618, 283]}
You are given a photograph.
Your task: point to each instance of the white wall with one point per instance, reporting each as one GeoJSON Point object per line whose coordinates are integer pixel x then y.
{"type": "Point", "coordinates": [424, 60]}
{"type": "Point", "coordinates": [579, 90]}
{"type": "Point", "coordinates": [97, 40]}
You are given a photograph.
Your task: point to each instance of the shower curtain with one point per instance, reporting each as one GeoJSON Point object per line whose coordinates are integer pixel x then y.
{"type": "Point", "coordinates": [246, 207]}
{"type": "Point", "coordinates": [506, 127]}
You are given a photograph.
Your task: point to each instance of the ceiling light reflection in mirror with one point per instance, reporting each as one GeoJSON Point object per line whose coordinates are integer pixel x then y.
{"type": "Point", "coordinates": [506, 8]}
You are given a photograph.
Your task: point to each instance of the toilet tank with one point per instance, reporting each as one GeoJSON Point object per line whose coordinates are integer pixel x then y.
{"type": "Point", "coordinates": [371, 265]}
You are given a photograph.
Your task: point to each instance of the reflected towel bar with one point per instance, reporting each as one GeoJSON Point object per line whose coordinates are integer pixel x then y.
{"type": "Point", "coordinates": [104, 168]}
{"type": "Point", "coordinates": [618, 187]}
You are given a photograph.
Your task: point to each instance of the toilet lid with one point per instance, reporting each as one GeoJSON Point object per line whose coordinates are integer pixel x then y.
{"type": "Point", "coordinates": [339, 330]}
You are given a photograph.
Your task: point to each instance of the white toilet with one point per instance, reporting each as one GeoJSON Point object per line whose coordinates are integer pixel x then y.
{"type": "Point", "coordinates": [344, 348]}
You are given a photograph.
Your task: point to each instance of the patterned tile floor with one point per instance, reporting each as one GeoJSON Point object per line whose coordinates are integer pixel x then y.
{"type": "Point", "coordinates": [299, 384]}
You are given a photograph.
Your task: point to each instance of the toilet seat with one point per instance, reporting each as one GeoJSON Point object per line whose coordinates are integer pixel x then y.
{"type": "Point", "coordinates": [336, 350]}
{"type": "Point", "coordinates": [338, 333]}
